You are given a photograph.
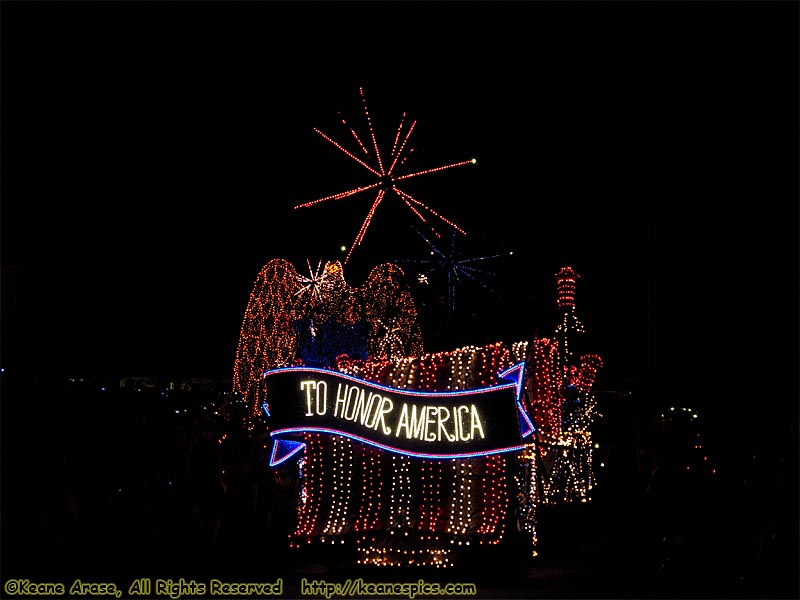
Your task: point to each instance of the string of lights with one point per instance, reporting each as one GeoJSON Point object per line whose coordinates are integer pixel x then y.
{"type": "Point", "coordinates": [386, 173]}
{"type": "Point", "coordinates": [395, 509]}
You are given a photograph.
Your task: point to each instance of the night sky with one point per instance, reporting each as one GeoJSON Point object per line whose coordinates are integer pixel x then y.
{"type": "Point", "coordinates": [152, 154]}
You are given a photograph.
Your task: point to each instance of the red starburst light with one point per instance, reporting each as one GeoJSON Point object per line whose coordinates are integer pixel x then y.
{"type": "Point", "coordinates": [387, 177]}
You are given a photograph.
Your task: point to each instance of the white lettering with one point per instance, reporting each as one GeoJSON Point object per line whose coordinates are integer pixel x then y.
{"type": "Point", "coordinates": [417, 423]}
{"type": "Point", "coordinates": [364, 410]}
{"type": "Point", "coordinates": [340, 400]}
{"type": "Point", "coordinates": [476, 423]}
{"type": "Point", "coordinates": [461, 428]}
{"type": "Point", "coordinates": [321, 393]}
{"type": "Point", "coordinates": [307, 386]}
{"type": "Point", "coordinates": [430, 436]}
{"type": "Point", "coordinates": [384, 406]}
{"type": "Point", "coordinates": [441, 429]}
{"type": "Point", "coordinates": [439, 423]}
{"type": "Point", "coordinates": [350, 415]}
{"type": "Point", "coordinates": [427, 423]}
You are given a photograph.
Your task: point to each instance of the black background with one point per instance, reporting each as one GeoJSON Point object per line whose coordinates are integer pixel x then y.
{"type": "Point", "coordinates": [152, 154]}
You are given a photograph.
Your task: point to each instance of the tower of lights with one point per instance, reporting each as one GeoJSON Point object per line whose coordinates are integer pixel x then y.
{"type": "Point", "coordinates": [565, 405]}
{"type": "Point", "coordinates": [569, 325]}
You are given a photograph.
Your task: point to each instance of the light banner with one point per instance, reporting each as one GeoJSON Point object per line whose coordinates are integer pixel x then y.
{"type": "Point", "coordinates": [439, 425]}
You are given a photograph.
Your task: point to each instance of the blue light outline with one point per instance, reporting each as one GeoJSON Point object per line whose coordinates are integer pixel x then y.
{"type": "Point", "coordinates": [387, 447]}
{"type": "Point", "coordinates": [528, 421]}
{"type": "Point", "coordinates": [296, 447]}
{"type": "Point", "coordinates": [517, 379]}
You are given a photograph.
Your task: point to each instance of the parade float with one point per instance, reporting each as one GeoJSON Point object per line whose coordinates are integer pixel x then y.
{"type": "Point", "coordinates": [401, 456]}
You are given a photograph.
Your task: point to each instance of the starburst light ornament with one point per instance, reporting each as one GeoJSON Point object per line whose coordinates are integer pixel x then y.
{"type": "Point", "coordinates": [387, 172]}
{"type": "Point", "coordinates": [313, 286]}
{"type": "Point", "coordinates": [454, 266]}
